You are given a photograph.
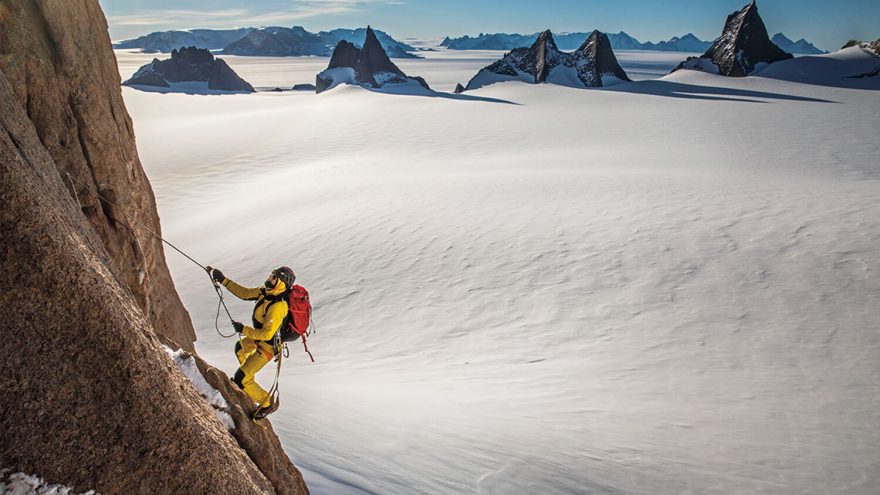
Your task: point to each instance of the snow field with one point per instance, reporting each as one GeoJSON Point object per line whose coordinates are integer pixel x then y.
{"type": "Point", "coordinates": [667, 286]}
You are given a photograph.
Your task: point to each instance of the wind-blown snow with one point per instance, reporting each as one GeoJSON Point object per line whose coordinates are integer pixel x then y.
{"type": "Point", "coordinates": [668, 286]}
{"type": "Point", "coordinates": [187, 365]}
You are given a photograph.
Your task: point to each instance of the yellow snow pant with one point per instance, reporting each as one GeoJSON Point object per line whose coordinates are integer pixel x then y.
{"type": "Point", "coordinates": [252, 356]}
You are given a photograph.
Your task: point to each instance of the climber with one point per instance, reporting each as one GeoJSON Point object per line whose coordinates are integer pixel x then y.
{"type": "Point", "coordinates": [257, 346]}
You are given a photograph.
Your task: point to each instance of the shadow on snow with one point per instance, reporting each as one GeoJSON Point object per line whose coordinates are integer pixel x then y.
{"type": "Point", "coordinates": [658, 87]}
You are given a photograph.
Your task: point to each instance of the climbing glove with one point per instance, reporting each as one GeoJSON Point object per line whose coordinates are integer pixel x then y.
{"type": "Point", "coordinates": [217, 275]}
{"type": "Point", "coordinates": [239, 327]}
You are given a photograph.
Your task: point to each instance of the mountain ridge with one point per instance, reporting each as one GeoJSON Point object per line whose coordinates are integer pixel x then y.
{"type": "Point", "coordinates": [619, 41]}
{"type": "Point", "coordinates": [590, 66]}
{"type": "Point", "coordinates": [263, 41]}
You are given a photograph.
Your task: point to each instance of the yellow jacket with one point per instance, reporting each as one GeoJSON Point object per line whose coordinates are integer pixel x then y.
{"type": "Point", "coordinates": [269, 312]}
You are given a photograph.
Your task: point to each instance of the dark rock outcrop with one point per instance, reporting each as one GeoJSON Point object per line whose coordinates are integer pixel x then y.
{"type": "Point", "coordinates": [600, 60]}
{"type": "Point", "coordinates": [304, 87]}
{"type": "Point", "coordinates": [368, 66]}
{"type": "Point", "coordinates": [459, 88]}
{"type": "Point", "coordinates": [544, 63]}
{"type": "Point", "coordinates": [743, 44]}
{"type": "Point", "coordinates": [190, 65]}
{"type": "Point", "coordinates": [91, 399]}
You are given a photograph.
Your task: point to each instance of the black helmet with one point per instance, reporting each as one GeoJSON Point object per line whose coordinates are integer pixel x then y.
{"type": "Point", "coordinates": [285, 274]}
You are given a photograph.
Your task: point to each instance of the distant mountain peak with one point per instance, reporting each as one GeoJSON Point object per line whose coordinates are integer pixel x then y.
{"type": "Point", "coordinates": [542, 62]}
{"type": "Point", "coordinates": [743, 44]}
{"type": "Point", "coordinates": [367, 66]}
{"type": "Point", "coordinates": [801, 46]}
{"type": "Point", "coordinates": [188, 65]}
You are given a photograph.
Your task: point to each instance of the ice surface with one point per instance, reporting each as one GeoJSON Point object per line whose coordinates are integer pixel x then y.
{"type": "Point", "coordinates": [667, 286]}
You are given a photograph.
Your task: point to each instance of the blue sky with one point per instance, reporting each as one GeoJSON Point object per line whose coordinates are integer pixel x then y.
{"type": "Point", "coordinates": [826, 23]}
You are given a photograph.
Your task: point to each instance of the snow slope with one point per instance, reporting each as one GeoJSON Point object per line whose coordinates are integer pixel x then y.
{"type": "Point", "coordinates": [669, 286]}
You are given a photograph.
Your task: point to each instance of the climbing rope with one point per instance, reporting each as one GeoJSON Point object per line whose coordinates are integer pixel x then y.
{"type": "Point", "coordinates": [281, 350]}
{"type": "Point", "coordinates": [217, 288]}
{"type": "Point", "coordinates": [221, 302]}
{"type": "Point", "coordinates": [280, 353]}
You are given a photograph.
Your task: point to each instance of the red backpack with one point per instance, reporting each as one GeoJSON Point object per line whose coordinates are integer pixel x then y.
{"type": "Point", "coordinates": [297, 323]}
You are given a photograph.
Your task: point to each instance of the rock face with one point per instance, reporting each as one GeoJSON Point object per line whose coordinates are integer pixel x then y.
{"type": "Point", "coordinates": [597, 59]}
{"type": "Point", "coordinates": [743, 44]}
{"type": "Point", "coordinates": [65, 78]}
{"type": "Point", "coordinates": [189, 65]}
{"type": "Point", "coordinates": [91, 399]}
{"type": "Point", "coordinates": [368, 66]}
{"type": "Point", "coordinates": [592, 65]}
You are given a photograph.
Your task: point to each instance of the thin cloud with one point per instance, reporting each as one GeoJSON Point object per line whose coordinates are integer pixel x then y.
{"type": "Point", "coordinates": [157, 17]}
{"type": "Point", "coordinates": [240, 17]}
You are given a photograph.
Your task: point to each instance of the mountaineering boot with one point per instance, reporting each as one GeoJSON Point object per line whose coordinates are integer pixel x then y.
{"type": "Point", "coordinates": [264, 411]}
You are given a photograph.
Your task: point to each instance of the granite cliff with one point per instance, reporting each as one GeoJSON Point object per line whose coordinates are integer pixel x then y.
{"type": "Point", "coordinates": [92, 399]}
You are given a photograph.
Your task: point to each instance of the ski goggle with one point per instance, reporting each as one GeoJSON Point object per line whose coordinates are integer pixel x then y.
{"type": "Point", "coordinates": [274, 282]}
{"type": "Point", "coordinates": [271, 281]}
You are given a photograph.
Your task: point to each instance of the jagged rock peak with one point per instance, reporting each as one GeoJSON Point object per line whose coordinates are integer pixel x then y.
{"type": "Point", "coordinates": [188, 65]}
{"type": "Point", "coordinates": [371, 41]}
{"type": "Point", "coordinates": [192, 55]}
{"type": "Point", "coordinates": [597, 47]}
{"type": "Point", "coordinates": [543, 62]}
{"type": "Point", "coordinates": [368, 66]}
{"type": "Point", "coordinates": [546, 39]}
{"type": "Point", "coordinates": [743, 44]}
{"type": "Point", "coordinates": [544, 55]}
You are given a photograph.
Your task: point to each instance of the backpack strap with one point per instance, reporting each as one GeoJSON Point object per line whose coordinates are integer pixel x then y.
{"type": "Point", "coordinates": [306, 347]}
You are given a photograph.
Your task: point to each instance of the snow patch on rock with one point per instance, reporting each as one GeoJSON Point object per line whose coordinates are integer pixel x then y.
{"type": "Point", "coordinates": [187, 365]}
{"type": "Point", "coordinates": [700, 64]}
{"type": "Point", "coordinates": [28, 484]}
